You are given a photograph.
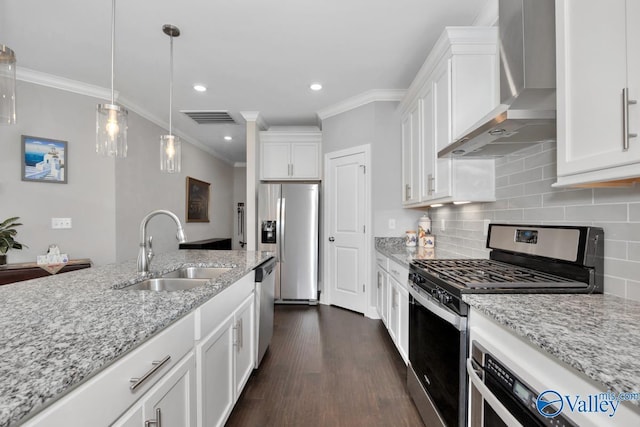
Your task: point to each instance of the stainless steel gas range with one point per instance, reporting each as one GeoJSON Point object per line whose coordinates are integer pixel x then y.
{"type": "Point", "coordinates": [523, 259]}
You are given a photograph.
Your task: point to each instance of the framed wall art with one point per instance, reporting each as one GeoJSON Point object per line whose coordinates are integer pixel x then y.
{"type": "Point", "coordinates": [44, 160]}
{"type": "Point", "coordinates": [197, 200]}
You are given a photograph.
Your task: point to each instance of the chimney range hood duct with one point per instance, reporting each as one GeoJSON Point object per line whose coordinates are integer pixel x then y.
{"type": "Point", "coordinates": [527, 111]}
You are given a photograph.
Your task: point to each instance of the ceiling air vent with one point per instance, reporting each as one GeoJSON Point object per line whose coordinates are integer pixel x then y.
{"type": "Point", "coordinates": [209, 117]}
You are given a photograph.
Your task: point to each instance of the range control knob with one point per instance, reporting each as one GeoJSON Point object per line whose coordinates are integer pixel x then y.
{"type": "Point", "coordinates": [445, 298]}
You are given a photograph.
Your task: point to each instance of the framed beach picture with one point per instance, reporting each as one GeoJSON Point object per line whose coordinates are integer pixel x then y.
{"type": "Point", "coordinates": [44, 160]}
{"type": "Point", "coordinates": [197, 200]}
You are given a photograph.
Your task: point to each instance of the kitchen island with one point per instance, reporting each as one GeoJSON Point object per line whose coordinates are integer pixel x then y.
{"type": "Point", "coordinates": [60, 331]}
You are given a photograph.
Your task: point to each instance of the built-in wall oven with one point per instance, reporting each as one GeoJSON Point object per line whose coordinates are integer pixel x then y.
{"type": "Point", "coordinates": [523, 259]}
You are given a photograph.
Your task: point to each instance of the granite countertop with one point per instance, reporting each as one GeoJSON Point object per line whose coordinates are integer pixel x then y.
{"type": "Point", "coordinates": [598, 335]}
{"type": "Point", "coordinates": [396, 249]}
{"type": "Point", "coordinates": [58, 331]}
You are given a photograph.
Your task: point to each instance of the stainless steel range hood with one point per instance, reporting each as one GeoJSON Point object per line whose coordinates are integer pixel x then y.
{"type": "Point", "coordinates": [527, 111]}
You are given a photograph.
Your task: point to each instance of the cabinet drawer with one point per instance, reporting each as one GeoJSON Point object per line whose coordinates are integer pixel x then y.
{"type": "Point", "coordinates": [382, 261]}
{"type": "Point", "coordinates": [104, 397]}
{"type": "Point", "coordinates": [399, 273]}
{"type": "Point", "coordinates": [212, 313]}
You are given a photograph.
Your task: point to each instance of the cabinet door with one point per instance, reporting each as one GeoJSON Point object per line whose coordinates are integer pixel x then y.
{"type": "Point", "coordinates": [393, 310]}
{"type": "Point", "coordinates": [403, 323]}
{"type": "Point", "coordinates": [174, 398]}
{"type": "Point", "coordinates": [591, 74]}
{"type": "Point", "coordinates": [380, 300]}
{"type": "Point", "coordinates": [305, 160]}
{"type": "Point", "coordinates": [442, 101]}
{"type": "Point", "coordinates": [132, 418]}
{"type": "Point", "coordinates": [275, 160]}
{"type": "Point", "coordinates": [244, 343]}
{"type": "Point", "coordinates": [428, 154]}
{"type": "Point", "coordinates": [215, 356]}
{"type": "Point", "coordinates": [411, 156]}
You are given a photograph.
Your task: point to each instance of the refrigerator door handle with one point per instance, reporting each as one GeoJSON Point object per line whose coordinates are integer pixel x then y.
{"type": "Point", "coordinates": [278, 226]}
{"type": "Point", "coordinates": [283, 210]}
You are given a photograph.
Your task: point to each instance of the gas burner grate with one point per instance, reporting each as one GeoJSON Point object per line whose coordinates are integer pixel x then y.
{"type": "Point", "coordinates": [484, 273]}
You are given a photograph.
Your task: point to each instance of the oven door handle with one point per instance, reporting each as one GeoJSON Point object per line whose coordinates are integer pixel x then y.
{"type": "Point", "coordinates": [445, 314]}
{"type": "Point", "coordinates": [489, 397]}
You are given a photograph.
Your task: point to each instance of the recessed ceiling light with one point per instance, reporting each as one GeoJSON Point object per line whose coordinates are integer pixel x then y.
{"type": "Point", "coordinates": [200, 88]}
{"type": "Point", "coordinates": [227, 138]}
{"type": "Point", "coordinates": [315, 86]}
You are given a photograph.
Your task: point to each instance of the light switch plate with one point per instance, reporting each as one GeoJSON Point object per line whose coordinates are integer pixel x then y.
{"type": "Point", "coordinates": [392, 224]}
{"type": "Point", "coordinates": [442, 225]}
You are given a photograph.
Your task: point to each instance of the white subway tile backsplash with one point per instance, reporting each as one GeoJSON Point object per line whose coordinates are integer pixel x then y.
{"type": "Point", "coordinates": [616, 249]}
{"type": "Point", "coordinates": [634, 212]}
{"type": "Point", "coordinates": [526, 176]}
{"type": "Point", "coordinates": [524, 194]}
{"type": "Point", "coordinates": [539, 187]}
{"type": "Point", "coordinates": [541, 159]}
{"type": "Point", "coordinates": [568, 197]}
{"type": "Point", "coordinates": [617, 195]}
{"type": "Point", "coordinates": [633, 252]}
{"type": "Point", "coordinates": [510, 168]}
{"type": "Point", "coordinates": [510, 191]}
{"type": "Point", "coordinates": [544, 214]}
{"type": "Point", "coordinates": [534, 201]}
{"type": "Point", "coordinates": [596, 213]}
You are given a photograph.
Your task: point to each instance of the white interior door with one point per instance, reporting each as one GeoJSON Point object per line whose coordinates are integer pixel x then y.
{"type": "Point", "coordinates": [346, 233]}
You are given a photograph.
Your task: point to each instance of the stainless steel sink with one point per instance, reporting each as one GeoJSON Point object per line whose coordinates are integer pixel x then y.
{"type": "Point", "coordinates": [198, 272]}
{"type": "Point", "coordinates": [167, 284]}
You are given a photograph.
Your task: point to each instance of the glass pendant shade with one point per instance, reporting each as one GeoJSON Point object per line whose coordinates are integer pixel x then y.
{"type": "Point", "coordinates": [111, 130]}
{"type": "Point", "coordinates": [170, 154]}
{"type": "Point", "coordinates": [7, 86]}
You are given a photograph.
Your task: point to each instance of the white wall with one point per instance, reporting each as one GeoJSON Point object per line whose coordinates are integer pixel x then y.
{"type": "Point", "coordinates": [87, 198]}
{"type": "Point", "coordinates": [378, 124]}
{"type": "Point", "coordinates": [142, 188]}
{"type": "Point", "coordinates": [525, 196]}
{"type": "Point", "coordinates": [105, 197]}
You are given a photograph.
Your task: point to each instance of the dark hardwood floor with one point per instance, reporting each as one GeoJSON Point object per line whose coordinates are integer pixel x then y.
{"type": "Point", "coordinates": [327, 367]}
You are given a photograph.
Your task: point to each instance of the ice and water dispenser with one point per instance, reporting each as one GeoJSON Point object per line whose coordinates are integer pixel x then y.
{"type": "Point", "coordinates": [268, 232]}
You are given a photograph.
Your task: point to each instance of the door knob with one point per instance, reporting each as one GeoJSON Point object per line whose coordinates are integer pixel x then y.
{"type": "Point", "coordinates": [332, 239]}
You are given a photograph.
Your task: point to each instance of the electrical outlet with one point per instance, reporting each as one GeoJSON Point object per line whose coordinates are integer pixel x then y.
{"type": "Point", "coordinates": [59, 223]}
{"type": "Point", "coordinates": [442, 225]}
{"type": "Point", "coordinates": [392, 224]}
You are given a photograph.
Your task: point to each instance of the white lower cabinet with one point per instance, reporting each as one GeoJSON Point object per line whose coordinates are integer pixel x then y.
{"type": "Point", "coordinates": [171, 402]}
{"type": "Point", "coordinates": [393, 302]}
{"type": "Point", "coordinates": [225, 355]}
{"type": "Point", "coordinates": [190, 374]}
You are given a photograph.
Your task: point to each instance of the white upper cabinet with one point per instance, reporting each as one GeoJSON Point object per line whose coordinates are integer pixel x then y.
{"type": "Point", "coordinates": [598, 58]}
{"type": "Point", "coordinates": [456, 87]}
{"type": "Point", "coordinates": [290, 155]}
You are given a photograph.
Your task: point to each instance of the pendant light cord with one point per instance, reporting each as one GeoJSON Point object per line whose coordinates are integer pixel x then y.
{"type": "Point", "coordinates": [170, 82]}
{"type": "Point", "coordinates": [113, 42]}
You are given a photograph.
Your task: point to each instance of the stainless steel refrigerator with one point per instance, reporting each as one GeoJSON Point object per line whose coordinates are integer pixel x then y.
{"type": "Point", "coordinates": [288, 226]}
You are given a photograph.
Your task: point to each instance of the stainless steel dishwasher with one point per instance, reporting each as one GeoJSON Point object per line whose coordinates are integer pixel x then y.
{"type": "Point", "coordinates": [265, 288]}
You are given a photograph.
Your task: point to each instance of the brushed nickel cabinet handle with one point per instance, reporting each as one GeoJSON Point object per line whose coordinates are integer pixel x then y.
{"type": "Point", "coordinates": [157, 365]}
{"type": "Point", "coordinates": [625, 119]}
{"type": "Point", "coordinates": [157, 421]}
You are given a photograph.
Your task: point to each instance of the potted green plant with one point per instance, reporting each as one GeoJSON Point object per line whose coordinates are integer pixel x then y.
{"type": "Point", "coordinates": [7, 237]}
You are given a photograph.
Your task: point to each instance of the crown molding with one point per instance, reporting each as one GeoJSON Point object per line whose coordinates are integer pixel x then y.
{"type": "Point", "coordinates": [49, 80]}
{"type": "Point", "coordinates": [364, 98]}
{"type": "Point", "coordinates": [254, 116]}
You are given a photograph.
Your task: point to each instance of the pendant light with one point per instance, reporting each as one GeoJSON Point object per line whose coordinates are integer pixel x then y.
{"type": "Point", "coordinates": [111, 119]}
{"type": "Point", "coordinates": [7, 86]}
{"type": "Point", "coordinates": [170, 153]}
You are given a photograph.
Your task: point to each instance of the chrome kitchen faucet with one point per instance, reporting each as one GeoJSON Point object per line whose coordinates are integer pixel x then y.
{"type": "Point", "coordinates": [145, 254]}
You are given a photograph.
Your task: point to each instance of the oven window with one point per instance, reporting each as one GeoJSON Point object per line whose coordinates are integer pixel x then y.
{"type": "Point", "coordinates": [434, 353]}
